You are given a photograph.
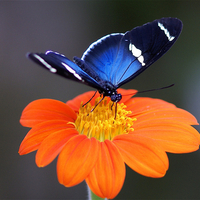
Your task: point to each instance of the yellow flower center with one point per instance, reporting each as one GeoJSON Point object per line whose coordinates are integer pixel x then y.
{"type": "Point", "coordinates": [103, 123]}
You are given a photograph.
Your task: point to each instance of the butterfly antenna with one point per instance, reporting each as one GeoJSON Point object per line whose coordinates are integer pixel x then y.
{"type": "Point", "coordinates": [89, 99]}
{"type": "Point", "coordinates": [156, 89]}
{"type": "Point", "coordinates": [165, 87]}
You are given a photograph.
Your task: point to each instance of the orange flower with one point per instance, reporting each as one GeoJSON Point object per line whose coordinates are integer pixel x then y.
{"type": "Point", "coordinates": [94, 146]}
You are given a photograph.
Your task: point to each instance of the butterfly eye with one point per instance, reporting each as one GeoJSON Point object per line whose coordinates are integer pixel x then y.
{"type": "Point", "coordinates": [116, 97]}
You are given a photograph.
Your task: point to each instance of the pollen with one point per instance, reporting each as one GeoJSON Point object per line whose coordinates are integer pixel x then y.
{"type": "Point", "coordinates": [103, 123]}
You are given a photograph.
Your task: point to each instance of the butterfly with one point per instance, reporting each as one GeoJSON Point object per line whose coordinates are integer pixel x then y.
{"type": "Point", "coordinates": [115, 59]}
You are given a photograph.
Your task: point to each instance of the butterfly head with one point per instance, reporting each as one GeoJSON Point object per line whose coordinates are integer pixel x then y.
{"type": "Point", "coordinates": [115, 97]}
{"type": "Point", "coordinates": [110, 90]}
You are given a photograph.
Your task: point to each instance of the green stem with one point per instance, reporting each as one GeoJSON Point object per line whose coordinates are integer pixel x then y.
{"type": "Point", "coordinates": [92, 196]}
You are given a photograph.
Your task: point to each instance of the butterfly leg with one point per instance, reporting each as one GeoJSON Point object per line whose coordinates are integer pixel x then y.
{"type": "Point", "coordinates": [115, 110]}
{"type": "Point", "coordinates": [89, 99]}
{"type": "Point", "coordinates": [97, 104]}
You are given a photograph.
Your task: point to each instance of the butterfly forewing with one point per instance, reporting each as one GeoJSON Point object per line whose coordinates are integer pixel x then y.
{"type": "Point", "coordinates": [59, 64]}
{"type": "Point", "coordinates": [147, 44]}
{"type": "Point", "coordinates": [101, 55]}
{"type": "Point", "coordinates": [134, 51]}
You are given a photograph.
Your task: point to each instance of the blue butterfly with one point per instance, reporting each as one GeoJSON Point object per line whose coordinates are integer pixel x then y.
{"type": "Point", "coordinates": [115, 59]}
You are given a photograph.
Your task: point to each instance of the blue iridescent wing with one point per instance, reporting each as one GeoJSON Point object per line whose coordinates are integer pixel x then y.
{"type": "Point", "coordinates": [118, 58]}
{"type": "Point", "coordinates": [59, 64]}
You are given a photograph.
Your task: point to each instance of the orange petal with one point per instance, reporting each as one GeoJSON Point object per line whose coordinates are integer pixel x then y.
{"type": "Point", "coordinates": [176, 114]}
{"type": "Point", "coordinates": [76, 160]}
{"type": "Point", "coordinates": [126, 94]}
{"type": "Point", "coordinates": [39, 132]}
{"type": "Point", "coordinates": [173, 136]}
{"type": "Point", "coordinates": [85, 97]}
{"type": "Point", "coordinates": [52, 146]}
{"type": "Point", "coordinates": [142, 154]}
{"type": "Point", "coordinates": [107, 177]}
{"type": "Point", "coordinates": [139, 105]}
{"type": "Point", "coordinates": [46, 109]}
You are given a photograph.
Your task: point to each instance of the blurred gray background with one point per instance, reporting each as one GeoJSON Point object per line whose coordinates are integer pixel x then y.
{"type": "Point", "coordinates": [69, 27]}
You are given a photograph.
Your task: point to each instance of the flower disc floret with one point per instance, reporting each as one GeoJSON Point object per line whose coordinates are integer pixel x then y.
{"type": "Point", "coordinates": [103, 121]}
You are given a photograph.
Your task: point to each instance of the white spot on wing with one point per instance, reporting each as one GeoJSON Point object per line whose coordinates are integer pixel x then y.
{"type": "Point", "coordinates": [53, 70]}
{"type": "Point", "coordinates": [47, 52]}
{"type": "Point", "coordinates": [170, 38]}
{"type": "Point", "coordinates": [137, 53]}
{"type": "Point", "coordinates": [141, 60]}
{"type": "Point", "coordinates": [69, 69]}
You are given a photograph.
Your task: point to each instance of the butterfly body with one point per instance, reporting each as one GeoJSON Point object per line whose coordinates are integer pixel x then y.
{"type": "Point", "coordinates": [115, 59]}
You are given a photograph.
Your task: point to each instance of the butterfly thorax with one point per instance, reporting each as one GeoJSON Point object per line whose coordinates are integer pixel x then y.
{"type": "Point", "coordinates": [86, 68]}
{"type": "Point", "coordinates": [110, 90]}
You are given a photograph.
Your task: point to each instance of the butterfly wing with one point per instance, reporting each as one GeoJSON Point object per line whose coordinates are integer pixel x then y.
{"type": "Point", "coordinates": [59, 64]}
{"type": "Point", "coordinates": [118, 58]}
{"type": "Point", "coordinates": [102, 54]}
